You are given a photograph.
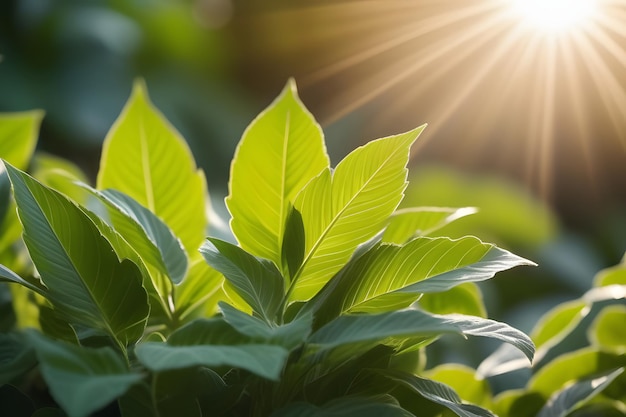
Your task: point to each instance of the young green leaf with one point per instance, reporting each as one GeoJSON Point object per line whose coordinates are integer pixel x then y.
{"type": "Point", "coordinates": [437, 392]}
{"type": "Point", "coordinates": [144, 157]}
{"type": "Point", "coordinates": [82, 380]}
{"type": "Point", "coordinates": [18, 136]}
{"type": "Point", "coordinates": [389, 277]}
{"type": "Point", "coordinates": [462, 299]}
{"type": "Point", "coordinates": [258, 282]}
{"type": "Point", "coordinates": [85, 280]}
{"type": "Point", "coordinates": [562, 402]}
{"type": "Point", "coordinates": [408, 223]}
{"type": "Point", "coordinates": [342, 210]}
{"type": "Point", "coordinates": [281, 151]}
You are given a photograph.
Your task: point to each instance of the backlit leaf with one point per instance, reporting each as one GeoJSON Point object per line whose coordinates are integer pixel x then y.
{"type": "Point", "coordinates": [144, 157]}
{"type": "Point", "coordinates": [18, 136]}
{"type": "Point", "coordinates": [609, 328]}
{"type": "Point", "coordinates": [346, 208]}
{"type": "Point", "coordinates": [85, 280]}
{"type": "Point", "coordinates": [408, 223]}
{"type": "Point", "coordinates": [281, 151]}
{"type": "Point", "coordinates": [389, 277]}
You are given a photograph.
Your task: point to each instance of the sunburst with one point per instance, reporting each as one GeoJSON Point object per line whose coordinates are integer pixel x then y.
{"type": "Point", "coordinates": [532, 88]}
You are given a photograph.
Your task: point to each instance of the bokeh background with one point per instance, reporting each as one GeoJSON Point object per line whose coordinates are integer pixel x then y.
{"type": "Point", "coordinates": [527, 125]}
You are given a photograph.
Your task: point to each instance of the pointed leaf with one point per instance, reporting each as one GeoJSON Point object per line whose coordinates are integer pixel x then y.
{"type": "Point", "coordinates": [281, 151]}
{"type": "Point", "coordinates": [289, 335]}
{"type": "Point", "coordinates": [341, 211]}
{"type": "Point", "coordinates": [149, 236]}
{"type": "Point", "coordinates": [7, 275]}
{"type": "Point", "coordinates": [82, 380]}
{"type": "Point", "coordinates": [462, 299]}
{"type": "Point", "coordinates": [421, 221]}
{"type": "Point", "coordinates": [394, 327]}
{"type": "Point", "coordinates": [437, 392]}
{"type": "Point", "coordinates": [258, 282]}
{"type": "Point", "coordinates": [85, 280]}
{"type": "Point", "coordinates": [389, 277]}
{"type": "Point", "coordinates": [562, 402]}
{"type": "Point", "coordinates": [18, 136]}
{"type": "Point", "coordinates": [144, 157]}
{"type": "Point", "coordinates": [464, 381]}
{"type": "Point", "coordinates": [212, 342]}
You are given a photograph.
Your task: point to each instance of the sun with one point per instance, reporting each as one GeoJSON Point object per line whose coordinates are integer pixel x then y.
{"type": "Point", "coordinates": [554, 16]}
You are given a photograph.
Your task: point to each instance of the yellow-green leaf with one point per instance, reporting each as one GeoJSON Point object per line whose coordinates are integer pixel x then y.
{"type": "Point", "coordinates": [18, 136]}
{"type": "Point", "coordinates": [279, 153]}
{"type": "Point", "coordinates": [346, 208]}
{"type": "Point", "coordinates": [145, 157]}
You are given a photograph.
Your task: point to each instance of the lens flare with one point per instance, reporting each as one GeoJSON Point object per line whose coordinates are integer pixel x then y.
{"type": "Point", "coordinates": [554, 16]}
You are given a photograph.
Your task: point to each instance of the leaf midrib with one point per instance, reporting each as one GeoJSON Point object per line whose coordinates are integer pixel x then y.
{"type": "Point", "coordinates": [145, 161]}
{"type": "Point", "coordinates": [283, 177]}
{"type": "Point", "coordinates": [338, 215]}
{"type": "Point", "coordinates": [81, 281]}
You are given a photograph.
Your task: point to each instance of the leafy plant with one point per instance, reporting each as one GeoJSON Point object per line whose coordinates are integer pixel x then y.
{"type": "Point", "coordinates": [323, 305]}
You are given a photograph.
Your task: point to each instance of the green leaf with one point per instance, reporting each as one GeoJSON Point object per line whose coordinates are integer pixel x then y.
{"type": "Point", "coordinates": [258, 282]}
{"type": "Point", "coordinates": [463, 299]}
{"type": "Point", "coordinates": [557, 322]}
{"type": "Point", "coordinates": [344, 407]}
{"type": "Point", "coordinates": [608, 329]}
{"type": "Point", "coordinates": [263, 360]}
{"type": "Point", "coordinates": [144, 157]}
{"type": "Point", "coordinates": [408, 223]}
{"type": "Point", "coordinates": [464, 381]}
{"type": "Point", "coordinates": [16, 356]}
{"type": "Point", "coordinates": [61, 175]}
{"type": "Point", "coordinates": [573, 366]}
{"type": "Point", "coordinates": [152, 239]}
{"type": "Point", "coordinates": [212, 343]}
{"type": "Point", "coordinates": [394, 327]}
{"type": "Point", "coordinates": [18, 136]}
{"type": "Point", "coordinates": [437, 392]}
{"type": "Point", "coordinates": [288, 336]}
{"type": "Point", "coordinates": [82, 380]}
{"type": "Point", "coordinates": [279, 153]}
{"type": "Point", "coordinates": [85, 281]}
{"type": "Point", "coordinates": [389, 277]}
{"type": "Point", "coordinates": [7, 275]}
{"type": "Point", "coordinates": [567, 399]}
{"type": "Point", "coordinates": [14, 402]}
{"type": "Point", "coordinates": [342, 210]}
{"type": "Point", "coordinates": [615, 275]}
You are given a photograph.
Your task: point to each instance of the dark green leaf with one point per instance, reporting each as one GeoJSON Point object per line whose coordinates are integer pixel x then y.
{"type": "Point", "coordinates": [15, 403]}
{"type": "Point", "coordinates": [344, 407]}
{"type": "Point", "coordinates": [288, 336]}
{"type": "Point", "coordinates": [82, 380]}
{"type": "Point", "coordinates": [85, 280]}
{"type": "Point", "coordinates": [437, 392]}
{"type": "Point", "coordinates": [394, 327]}
{"type": "Point", "coordinates": [16, 356]}
{"type": "Point", "coordinates": [258, 282]}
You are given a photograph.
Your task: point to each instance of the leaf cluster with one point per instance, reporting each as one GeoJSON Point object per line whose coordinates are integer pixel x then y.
{"type": "Point", "coordinates": [320, 303]}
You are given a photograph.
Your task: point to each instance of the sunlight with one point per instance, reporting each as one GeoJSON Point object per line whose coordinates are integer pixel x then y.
{"type": "Point", "coordinates": [554, 16]}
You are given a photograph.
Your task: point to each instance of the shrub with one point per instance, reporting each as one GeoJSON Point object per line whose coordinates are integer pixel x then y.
{"type": "Point", "coordinates": [320, 302]}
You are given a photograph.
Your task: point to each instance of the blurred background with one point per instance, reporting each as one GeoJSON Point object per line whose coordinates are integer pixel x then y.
{"type": "Point", "coordinates": [526, 108]}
